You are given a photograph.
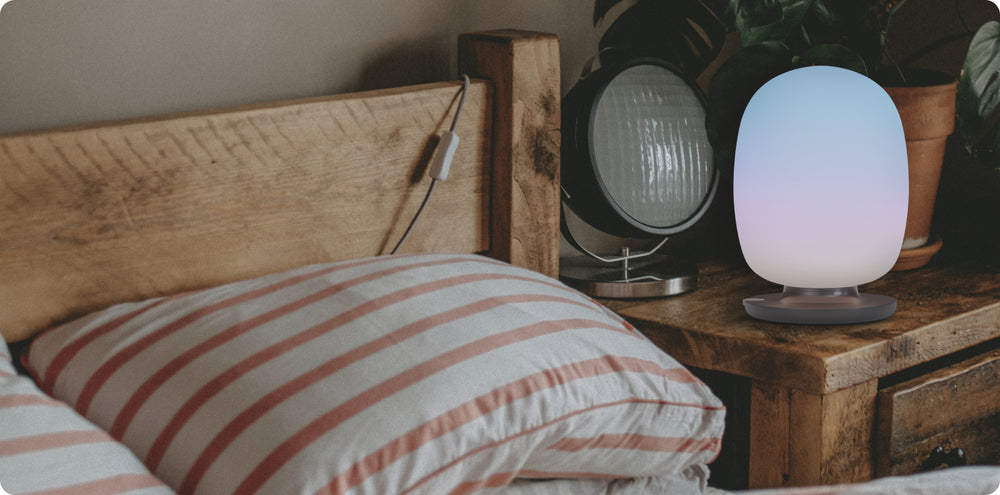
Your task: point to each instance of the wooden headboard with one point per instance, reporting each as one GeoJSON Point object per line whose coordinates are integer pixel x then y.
{"type": "Point", "coordinates": [97, 215]}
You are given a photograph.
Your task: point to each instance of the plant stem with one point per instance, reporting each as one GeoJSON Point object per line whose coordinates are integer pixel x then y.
{"type": "Point", "coordinates": [918, 54]}
{"type": "Point", "coordinates": [884, 42]}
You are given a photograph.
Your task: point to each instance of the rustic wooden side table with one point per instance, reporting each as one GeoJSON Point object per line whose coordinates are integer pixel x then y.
{"type": "Point", "coordinates": [836, 404]}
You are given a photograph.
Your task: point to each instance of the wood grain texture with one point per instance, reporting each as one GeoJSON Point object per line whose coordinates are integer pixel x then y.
{"type": "Point", "coordinates": [831, 435]}
{"type": "Point", "coordinates": [102, 214]}
{"type": "Point", "coordinates": [524, 68]}
{"type": "Point", "coordinates": [954, 407]}
{"type": "Point", "coordinates": [769, 430]}
{"type": "Point", "coordinates": [942, 308]}
{"type": "Point", "coordinates": [803, 439]}
{"type": "Point", "coordinates": [120, 212]}
{"type": "Point", "coordinates": [814, 388]}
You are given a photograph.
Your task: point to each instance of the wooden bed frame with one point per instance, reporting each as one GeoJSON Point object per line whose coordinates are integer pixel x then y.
{"type": "Point", "coordinates": [97, 215]}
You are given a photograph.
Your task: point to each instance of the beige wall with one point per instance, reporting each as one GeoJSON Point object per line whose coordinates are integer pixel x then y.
{"type": "Point", "coordinates": [69, 62]}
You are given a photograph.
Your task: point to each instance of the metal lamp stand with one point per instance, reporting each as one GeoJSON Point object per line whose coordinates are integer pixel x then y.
{"type": "Point", "coordinates": [631, 275]}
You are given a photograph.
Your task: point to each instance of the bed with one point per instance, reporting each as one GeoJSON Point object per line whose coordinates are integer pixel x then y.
{"type": "Point", "coordinates": [204, 303]}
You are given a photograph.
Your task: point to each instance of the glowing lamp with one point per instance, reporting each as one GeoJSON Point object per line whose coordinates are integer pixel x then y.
{"type": "Point", "coordinates": [820, 192]}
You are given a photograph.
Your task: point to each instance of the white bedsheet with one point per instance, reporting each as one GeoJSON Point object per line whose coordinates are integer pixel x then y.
{"type": "Point", "coordinates": [971, 480]}
{"type": "Point", "coordinates": [692, 481]}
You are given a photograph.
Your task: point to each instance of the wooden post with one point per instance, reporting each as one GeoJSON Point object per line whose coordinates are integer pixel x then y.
{"type": "Point", "coordinates": [828, 436]}
{"type": "Point", "coordinates": [768, 462]}
{"type": "Point", "coordinates": [524, 68]}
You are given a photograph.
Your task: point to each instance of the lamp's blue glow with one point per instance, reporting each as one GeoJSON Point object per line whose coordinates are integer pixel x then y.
{"type": "Point", "coordinates": [820, 182]}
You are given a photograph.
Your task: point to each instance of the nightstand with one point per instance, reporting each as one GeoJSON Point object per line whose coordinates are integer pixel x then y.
{"type": "Point", "coordinates": [834, 404]}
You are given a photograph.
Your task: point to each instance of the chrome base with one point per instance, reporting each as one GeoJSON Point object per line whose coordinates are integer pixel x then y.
{"type": "Point", "coordinates": [820, 306]}
{"type": "Point", "coordinates": [649, 276]}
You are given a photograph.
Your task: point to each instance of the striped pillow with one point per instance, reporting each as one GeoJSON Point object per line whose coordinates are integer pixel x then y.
{"type": "Point", "coordinates": [395, 374]}
{"type": "Point", "coordinates": [46, 447]}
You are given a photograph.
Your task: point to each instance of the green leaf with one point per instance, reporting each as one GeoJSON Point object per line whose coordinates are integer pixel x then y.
{"type": "Point", "coordinates": [758, 21]}
{"type": "Point", "coordinates": [846, 22]}
{"type": "Point", "coordinates": [820, 24]}
{"type": "Point", "coordinates": [979, 87]}
{"type": "Point", "coordinates": [832, 54]}
{"type": "Point", "coordinates": [990, 98]}
{"type": "Point", "coordinates": [831, 20]}
{"type": "Point", "coordinates": [822, 14]}
{"type": "Point", "coordinates": [982, 63]}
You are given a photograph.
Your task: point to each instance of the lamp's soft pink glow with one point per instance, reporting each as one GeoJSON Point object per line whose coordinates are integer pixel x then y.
{"type": "Point", "coordinates": [820, 182]}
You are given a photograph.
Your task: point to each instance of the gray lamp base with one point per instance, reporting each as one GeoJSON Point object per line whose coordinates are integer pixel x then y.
{"type": "Point", "coordinates": [820, 306]}
{"type": "Point", "coordinates": [650, 276]}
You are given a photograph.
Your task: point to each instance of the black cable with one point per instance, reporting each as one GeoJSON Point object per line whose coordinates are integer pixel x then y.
{"type": "Point", "coordinates": [413, 222]}
{"type": "Point", "coordinates": [430, 189]}
{"type": "Point", "coordinates": [461, 103]}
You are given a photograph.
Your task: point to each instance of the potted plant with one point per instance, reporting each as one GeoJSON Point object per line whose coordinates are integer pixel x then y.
{"type": "Point", "coordinates": [979, 94]}
{"type": "Point", "coordinates": [780, 35]}
{"type": "Point", "coordinates": [970, 181]}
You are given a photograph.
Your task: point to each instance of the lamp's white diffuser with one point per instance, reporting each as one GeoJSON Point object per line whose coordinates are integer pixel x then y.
{"type": "Point", "coordinates": [820, 194]}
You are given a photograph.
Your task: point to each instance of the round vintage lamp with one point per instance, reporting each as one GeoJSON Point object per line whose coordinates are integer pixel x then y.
{"type": "Point", "coordinates": [636, 164]}
{"type": "Point", "coordinates": [820, 194]}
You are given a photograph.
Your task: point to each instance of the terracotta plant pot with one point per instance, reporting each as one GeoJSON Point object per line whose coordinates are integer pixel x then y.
{"type": "Point", "coordinates": [928, 115]}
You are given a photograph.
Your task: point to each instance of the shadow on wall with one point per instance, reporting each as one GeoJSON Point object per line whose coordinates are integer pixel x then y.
{"type": "Point", "coordinates": [404, 63]}
{"type": "Point", "coordinates": [64, 63]}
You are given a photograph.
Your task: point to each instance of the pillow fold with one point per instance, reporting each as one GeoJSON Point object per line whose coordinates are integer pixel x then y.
{"type": "Point", "coordinates": [429, 373]}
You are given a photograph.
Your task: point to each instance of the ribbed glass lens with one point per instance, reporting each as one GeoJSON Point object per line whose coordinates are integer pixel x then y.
{"type": "Point", "coordinates": [650, 146]}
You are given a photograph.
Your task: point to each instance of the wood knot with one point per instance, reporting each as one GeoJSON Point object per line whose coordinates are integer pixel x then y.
{"type": "Point", "coordinates": [543, 157]}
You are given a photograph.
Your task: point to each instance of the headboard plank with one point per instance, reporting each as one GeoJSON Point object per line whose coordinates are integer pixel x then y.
{"type": "Point", "coordinates": [98, 215]}
{"type": "Point", "coordinates": [524, 68]}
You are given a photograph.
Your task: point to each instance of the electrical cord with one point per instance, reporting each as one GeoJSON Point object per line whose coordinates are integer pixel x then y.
{"type": "Point", "coordinates": [461, 103]}
{"type": "Point", "coordinates": [440, 162]}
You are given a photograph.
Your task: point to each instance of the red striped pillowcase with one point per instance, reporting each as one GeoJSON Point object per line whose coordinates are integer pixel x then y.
{"type": "Point", "coordinates": [402, 374]}
{"type": "Point", "coordinates": [46, 447]}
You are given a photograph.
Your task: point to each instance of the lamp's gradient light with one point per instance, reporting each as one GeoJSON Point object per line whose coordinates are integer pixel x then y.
{"type": "Point", "coordinates": [820, 181]}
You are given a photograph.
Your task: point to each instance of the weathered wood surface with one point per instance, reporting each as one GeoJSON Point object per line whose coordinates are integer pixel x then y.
{"type": "Point", "coordinates": [769, 431]}
{"type": "Point", "coordinates": [524, 68]}
{"type": "Point", "coordinates": [803, 439]}
{"type": "Point", "coordinates": [102, 214]}
{"type": "Point", "coordinates": [942, 308]}
{"type": "Point", "coordinates": [814, 388]}
{"type": "Point", "coordinates": [955, 407]}
{"type": "Point", "coordinates": [112, 213]}
{"type": "Point", "coordinates": [830, 435]}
